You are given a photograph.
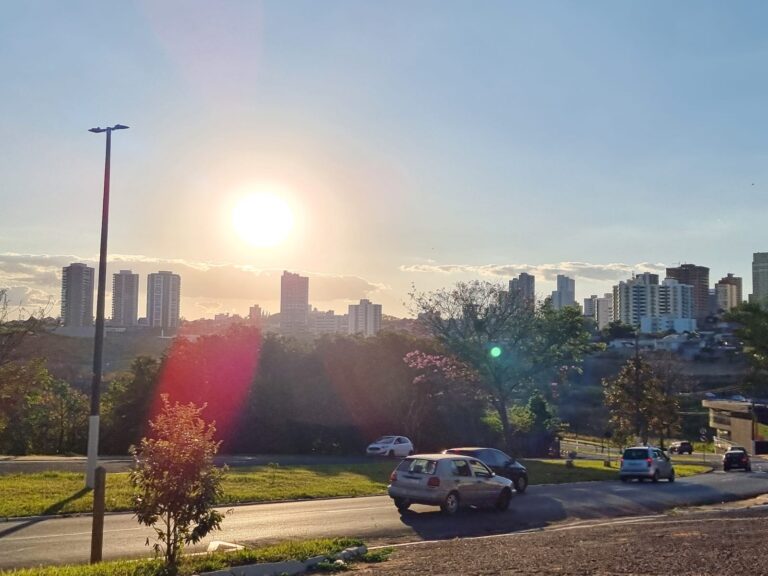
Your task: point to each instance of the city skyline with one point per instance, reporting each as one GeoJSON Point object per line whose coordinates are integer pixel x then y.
{"type": "Point", "coordinates": [409, 145]}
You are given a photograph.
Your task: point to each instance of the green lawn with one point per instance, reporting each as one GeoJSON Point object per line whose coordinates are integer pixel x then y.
{"type": "Point", "coordinates": [198, 564]}
{"type": "Point", "coordinates": [63, 492]}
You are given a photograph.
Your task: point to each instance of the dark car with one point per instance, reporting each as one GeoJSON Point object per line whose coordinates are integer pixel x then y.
{"type": "Point", "coordinates": [501, 463]}
{"type": "Point", "coordinates": [682, 447]}
{"type": "Point", "coordinates": [737, 457]}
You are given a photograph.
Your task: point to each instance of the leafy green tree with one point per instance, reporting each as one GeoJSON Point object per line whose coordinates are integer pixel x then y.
{"type": "Point", "coordinates": [752, 320]}
{"type": "Point", "coordinates": [640, 402]}
{"type": "Point", "coordinates": [617, 329]}
{"type": "Point", "coordinates": [508, 345]}
{"type": "Point", "coordinates": [126, 404]}
{"type": "Point", "coordinates": [175, 481]}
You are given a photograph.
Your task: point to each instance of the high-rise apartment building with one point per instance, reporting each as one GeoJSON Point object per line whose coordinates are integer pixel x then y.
{"type": "Point", "coordinates": [698, 277]}
{"type": "Point", "coordinates": [125, 298]}
{"type": "Point", "coordinates": [328, 322]}
{"type": "Point", "coordinates": [565, 295]}
{"type": "Point", "coordinates": [599, 309]}
{"type": "Point", "coordinates": [525, 287]}
{"type": "Point", "coordinates": [728, 293]}
{"type": "Point", "coordinates": [364, 318]}
{"type": "Point", "coordinates": [163, 300]}
{"type": "Point", "coordinates": [760, 278]}
{"type": "Point", "coordinates": [77, 295]}
{"type": "Point", "coordinates": [294, 303]}
{"type": "Point", "coordinates": [643, 303]}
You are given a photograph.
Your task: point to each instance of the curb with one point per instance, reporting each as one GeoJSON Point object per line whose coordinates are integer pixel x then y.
{"type": "Point", "coordinates": [289, 567]}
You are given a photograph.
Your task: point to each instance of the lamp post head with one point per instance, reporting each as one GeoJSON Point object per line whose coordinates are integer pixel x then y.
{"type": "Point", "coordinates": [99, 129]}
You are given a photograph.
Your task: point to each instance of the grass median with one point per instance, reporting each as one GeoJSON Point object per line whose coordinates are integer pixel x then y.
{"type": "Point", "coordinates": [63, 493]}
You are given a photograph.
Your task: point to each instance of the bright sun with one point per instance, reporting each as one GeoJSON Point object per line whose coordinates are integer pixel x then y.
{"type": "Point", "coordinates": [262, 219]}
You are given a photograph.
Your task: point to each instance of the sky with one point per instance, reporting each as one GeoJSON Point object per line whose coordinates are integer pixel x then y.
{"type": "Point", "coordinates": [417, 144]}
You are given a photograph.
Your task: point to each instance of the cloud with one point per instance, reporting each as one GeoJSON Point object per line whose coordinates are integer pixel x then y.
{"type": "Point", "coordinates": [577, 270]}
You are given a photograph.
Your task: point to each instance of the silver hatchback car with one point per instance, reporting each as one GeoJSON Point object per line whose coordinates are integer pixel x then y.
{"type": "Point", "coordinates": [449, 481]}
{"type": "Point", "coordinates": [646, 462]}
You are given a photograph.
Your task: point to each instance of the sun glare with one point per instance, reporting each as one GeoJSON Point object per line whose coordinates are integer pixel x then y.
{"type": "Point", "coordinates": [262, 219]}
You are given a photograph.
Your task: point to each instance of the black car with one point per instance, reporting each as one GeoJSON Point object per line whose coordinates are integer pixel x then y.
{"type": "Point", "coordinates": [737, 458]}
{"type": "Point", "coordinates": [682, 447]}
{"type": "Point", "coordinates": [501, 463]}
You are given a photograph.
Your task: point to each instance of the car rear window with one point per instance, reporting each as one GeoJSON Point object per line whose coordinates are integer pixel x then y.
{"type": "Point", "coordinates": [418, 466]}
{"type": "Point", "coordinates": [635, 454]}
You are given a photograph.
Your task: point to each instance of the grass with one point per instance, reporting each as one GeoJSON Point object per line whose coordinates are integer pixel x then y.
{"type": "Point", "coordinates": [198, 563]}
{"type": "Point", "coordinates": [63, 493]}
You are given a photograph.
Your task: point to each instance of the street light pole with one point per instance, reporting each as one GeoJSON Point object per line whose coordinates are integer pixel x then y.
{"type": "Point", "coordinates": [98, 346]}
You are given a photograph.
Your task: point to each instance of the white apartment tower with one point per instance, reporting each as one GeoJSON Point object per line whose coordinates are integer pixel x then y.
{"type": "Point", "coordinates": [125, 298]}
{"type": "Point", "coordinates": [643, 303]}
{"type": "Point", "coordinates": [77, 295]}
{"type": "Point", "coordinates": [599, 309]}
{"type": "Point", "coordinates": [294, 303]}
{"type": "Point", "coordinates": [728, 293]}
{"type": "Point", "coordinates": [565, 295]}
{"type": "Point", "coordinates": [163, 300]}
{"type": "Point", "coordinates": [760, 278]}
{"type": "Point", "coordinates": [364, 318]}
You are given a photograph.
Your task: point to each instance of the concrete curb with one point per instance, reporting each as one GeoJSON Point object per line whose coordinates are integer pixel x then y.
{"type": "Point", "coordinates": [290, 567]}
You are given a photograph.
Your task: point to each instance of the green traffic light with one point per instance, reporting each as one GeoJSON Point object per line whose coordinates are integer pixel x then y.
{"type": "Point", "coordinates": [495, 352]}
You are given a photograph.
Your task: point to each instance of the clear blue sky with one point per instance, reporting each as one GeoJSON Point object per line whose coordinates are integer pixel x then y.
{"type": "Point", "coordinates": [417, 142]}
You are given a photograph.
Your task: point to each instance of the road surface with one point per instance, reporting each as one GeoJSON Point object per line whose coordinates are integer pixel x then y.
{"type": "Point", "coordinates": [49, 540]}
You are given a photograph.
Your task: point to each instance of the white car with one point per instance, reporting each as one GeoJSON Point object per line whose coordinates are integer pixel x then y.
{"type": "Point", "coordinates": [390, 446]}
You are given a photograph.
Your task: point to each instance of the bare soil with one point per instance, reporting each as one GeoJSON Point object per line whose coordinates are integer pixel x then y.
{"type": "Point", "coordinates": [722, 541]}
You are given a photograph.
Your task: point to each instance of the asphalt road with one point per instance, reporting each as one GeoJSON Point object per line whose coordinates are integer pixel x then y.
{"type": "Point", "coordinates": [42, 541]}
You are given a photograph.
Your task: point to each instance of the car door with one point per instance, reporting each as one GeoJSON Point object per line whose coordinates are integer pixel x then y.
{"type": "Point", "coordinates": [400, 447]}
{"type": "Point", "coordinates": [663, 464]}
{"type": "Point", "coordinates": [464, 481]}
{"type": "Point", "coordinates": [486, 491]}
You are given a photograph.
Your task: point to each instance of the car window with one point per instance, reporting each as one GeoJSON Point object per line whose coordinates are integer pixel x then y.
{"type": "Point", "coordinates": [460, 468]}
{"type": "Point", "coordinates": [480, 470]}
{"type": "Point", "coordinates": [492, 458]}
{"type": "Point", "coordinates": [384, 440]}
{"type": "Point", "coordinates": [635, 454]}
{"type": "Point", "coordinates": [399, 441]}
{"type": "Point", "coordinates": [417, 466]}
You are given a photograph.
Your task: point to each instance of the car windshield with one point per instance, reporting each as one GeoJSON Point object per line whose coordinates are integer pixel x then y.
{"type": "Point", "coordinates": [385, 440]}
{"type": "Point", "coordinates": [418, 466]}
{"type": "Point", "coordinates": [635, 454]}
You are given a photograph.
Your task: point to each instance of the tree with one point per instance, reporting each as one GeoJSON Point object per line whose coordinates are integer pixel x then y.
{"type": "Point", "coordinates": [174, 479]}
{"type": "Point", "coordinates": [508, 345]}
{"type": "Point", "coordinates": [13, 332]}
{"type": "Point", "coordinates": [752, 320]}
{"type": "Point", "coordinates": [640, 402]}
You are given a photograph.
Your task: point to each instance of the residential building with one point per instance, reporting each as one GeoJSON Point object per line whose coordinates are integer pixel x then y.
{"type": "Point", "coordinates": [565, 295]}
{"type": "Point", "coordinates": [525, 287]}
{"type": "Point", "coordinates": [294, 303]}
{"type": "Point", "coordinates": [698, 277]}
{"type": "Point", "coordinates": [599, 309]}
{"type": "Point", "coordinates": [643, 303]}
{"type": "Point", "coordinates": [760, 278]}
{"type": "Point", "coordinates": [364, 318]}
{"type": "Point", "coordinates": [256, 315]}
{"type": "Point", "coordinates": [163, 300]}
{"type": "Point", "coordinates": [328, 322]}
{"type": "Point", "coordinates": [77, 284]}
{"type": "Point", "coordinates": [728, 293]}
{"type": "Point", "coordinates": [125, 298]}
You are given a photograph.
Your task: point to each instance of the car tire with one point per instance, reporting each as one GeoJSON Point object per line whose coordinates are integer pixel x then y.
{"type": "Point", "coordinates": [655, 477]}
{"type": "Point", "coordinates": [748, 469]}
{"type": "Point", "coordinates": [451, 504]}
{"type": "Point", "coordinates": [502, 502]}
{"type": "Point", "coordinates": [521, 484]}
{"type": "Point", "coordinates": [391, 453]}
{"type": "Point", "coordinates": [402, 504]}
{"type": "Point", "coordinates": [672, 476]}
{"type": "Point", "coordinates": [726, 468]}
{"type": "Point", "coordinates": [624, 479]}
{"type": "Point", "coordinates": [410, 452]}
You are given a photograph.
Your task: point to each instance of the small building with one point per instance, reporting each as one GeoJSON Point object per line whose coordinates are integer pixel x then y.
{"type": "Point", "coordinates": [742, 423]}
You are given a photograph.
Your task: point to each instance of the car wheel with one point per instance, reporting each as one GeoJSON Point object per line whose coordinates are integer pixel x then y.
{"type": "Point", "coordinates": [624, 479]}
{"type": "Point", "coordinates": [655, 477]}
{"type": "Point", "coordinates": [748, 469]}
{"type": "Point", "coordinates": [502, 503]}
{"type": "Point", "coordinates": [402, 504]}
{"type": "Point", "coordinates": [726, 468]}
{"type": "Point", "coordinates": [672, 475]}
{"type": "Point", "coordinates": [451, 504]}
{"type": "Point", "coordinates": [410, 452]}
{"type": "Point", "coordinates": [521, 484]}
{"type": "Point", "coordinates": [391, 453]}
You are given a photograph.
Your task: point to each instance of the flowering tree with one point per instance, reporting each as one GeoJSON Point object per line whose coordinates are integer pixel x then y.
{"type": "Point", "coordinates": [175, 481]}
